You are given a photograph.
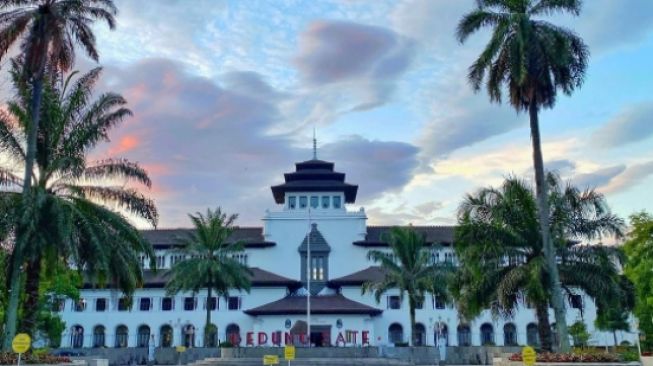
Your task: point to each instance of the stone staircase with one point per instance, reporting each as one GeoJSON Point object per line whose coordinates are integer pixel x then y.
{"type": "Point", "coordinates": [304, 362]}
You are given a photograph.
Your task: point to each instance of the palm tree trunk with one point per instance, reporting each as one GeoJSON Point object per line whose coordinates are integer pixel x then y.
{"type": "Point", "coordinates": [543, 326]}
{"type": "Point", "coordinates": [543, 211]}
{"type": "Point", "coordinates": [411, 310]}
{"type": "Point", "coordinates": [11, 315]}
{"type": "Point", "coordinates": [31, 303]}
{"type": "Point", "coordinates": [614, 335]}
{"type": "Point", "coordinates": [207, 327]}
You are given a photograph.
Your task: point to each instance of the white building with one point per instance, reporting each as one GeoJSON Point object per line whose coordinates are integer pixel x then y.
{"type": "Point", "coordinates": [274, 312]}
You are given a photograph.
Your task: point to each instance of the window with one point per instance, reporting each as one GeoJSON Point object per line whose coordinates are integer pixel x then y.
{"type": "Point", "coordinates": [167, 304]}
{"type": "Point", "coordinates": [325, 201]}
{"type": "Point", "coordinates": [58, 305]}
{"type": "Point", "coordinates": [99, 336]}
{"type": "Point", "coordinates": [336, 201]}
{"type": "Point", "coordinates": [145, 304]}
{"type": "Point", "coordinates": [438, 302]}
{"type": "Point", "coordinates": [234, 303]}
{"type": "Point", "coordinates": [211, 303]}
{"type": "Point", "coordinates": [464, 336]}
{"type": "Point", "coordinates": [303, 201]}
{"type": "Point", "coordinates": [395, 333]}
{"type": "Point", "coordinates": [240, 258]}
{"type": "Point", "coordinates": [122, 335]}
{"type": "Point", "coordinates": [448, 257]}
{"type": "Point", "coordinates": [419, 304]}
{"type": "Point", "coordinates": [160, 261]}
{"type": "Point", "coordinates": [509, 335]}
{"type": "Point", "coordinates": [532, 335]}
{"type": "Point", "coordinates": [176, 259]}
{"type": "Point", "coordinates": [141, 259]}
{"type": "Point", "coordinates": [80, 305]}
{"type": "Point", "coordinates": [487, 334]}
{"type": "Point", "coordinates": [100, 304]}
{"type": "Point", "coordinates": [317, 268]}
{"type": "Point", "coordinates": [314, 201]}
{"type": "Point", "coordinates": [394, 302]}
{"type": "Point", "coordinates": [123, 304]}
{"type": "Point", "coordinates": [292, 202]}
{"type": "Point", "coordinates": [189, 303]}
{"type": "Point", "coordinates": [435, 257]}
{"type": "Point", "coordinates": [576, 301]}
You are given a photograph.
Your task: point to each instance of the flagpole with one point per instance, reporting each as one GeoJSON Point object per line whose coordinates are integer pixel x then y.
{"type": "Point", "coordinates": [308, 279]}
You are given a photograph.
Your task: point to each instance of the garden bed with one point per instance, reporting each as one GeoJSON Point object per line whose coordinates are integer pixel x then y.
{"type": "Point", "coordinates": [594, 357]}
{"type": "Point", "coordinates": [8, 358]}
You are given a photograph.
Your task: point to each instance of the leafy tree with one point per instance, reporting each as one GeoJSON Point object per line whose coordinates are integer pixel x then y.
{"type": "Point", "coordinates": [639, 252]}
{"type": "Point", "coordinates": [580, 335]}
{"type": "Point", "coordinates": [502, 257]}
{"type": "Point", "coordinates": [208, 261]}
{"type": "Point", "coordinates": [532, 59]}
{"type": "Point", "coordinates": [47, 32]}
{"type": "Point", "coordinates": [79, 208]}
{"type": "Point", "coordinates": [613, 315]}
{"type": "Point", "coordinates": [409, 269]}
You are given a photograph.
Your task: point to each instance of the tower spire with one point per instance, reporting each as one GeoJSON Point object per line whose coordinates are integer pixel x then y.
{"type": "Point", "coordinates": [314, 145]}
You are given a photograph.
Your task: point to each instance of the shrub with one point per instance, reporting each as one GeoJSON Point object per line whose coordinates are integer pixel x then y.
{"type": "Point", "coordinates": [571, 357]}
{"type": "Point", "coordinates": [226, 344]}
{"type": "Point", "coordinates": [10, 358]}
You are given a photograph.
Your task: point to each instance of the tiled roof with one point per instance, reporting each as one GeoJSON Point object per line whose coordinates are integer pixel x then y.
{"type": "Point", "coordinates": [318, 243]}
{"type": "Point", "coordinates": [314, 176]}
{"type": "Point", "coordinates": [440, 235]}
{"type": "Point", "coordinates": [325, 304]}
{"type": "Point", "coordinates": [166, 238]}
{"type": "Point", "coordinates": [369, 274]}
{"type": "Point", "coordinates": [260, 278]}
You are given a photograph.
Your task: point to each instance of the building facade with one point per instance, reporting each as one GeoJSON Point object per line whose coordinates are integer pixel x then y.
{"type": "Point", "coordinates": [312, 217]}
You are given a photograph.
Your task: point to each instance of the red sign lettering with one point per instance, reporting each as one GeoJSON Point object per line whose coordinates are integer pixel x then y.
{"type": "Point", "coordinates": [262, 338]}
{"type": "Point", "coordinates": [366, 337]}
{"type": "Point", "coordinates": [250, 338]}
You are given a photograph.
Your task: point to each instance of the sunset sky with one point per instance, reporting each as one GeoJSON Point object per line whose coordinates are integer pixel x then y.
{"type": "Point", "coordinates": [226, 94]}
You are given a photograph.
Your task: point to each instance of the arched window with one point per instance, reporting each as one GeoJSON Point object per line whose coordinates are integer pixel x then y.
{"type": "Point", "coordinates": [211, 340]}
{"type": "Point", "coordinates": [122, 336]}
{"type": "Point", "coordinates": [77, 336]}
{"type": "Point", "coordinates": [233, 334]}
{"type": "Point", "coordinates": [395, 333]}
{"type": "Point", "coordinates": [532, 336]}
{"type": "Point", "coordinates": [165, 334]}
{"type": "Point", "coordinates": [487, 334]}
{"type": "Point", "coordinates": [143, 339]}
{"type": "Point", "coordinates": [509, 335]}
{"type": "Point", "coordinates": [464, 335]}
{"type": "Point", "coordinates": [441, 334]}
{"type": "Point", "coordinates": [189, 335]}
{"type": "Point", "coordinates": [99, 336]}
{"type": "Point", "coordinates": [420, 335]}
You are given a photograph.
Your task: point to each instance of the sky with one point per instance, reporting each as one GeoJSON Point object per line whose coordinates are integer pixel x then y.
{"type": "Point", "coordinates": [226, 95]}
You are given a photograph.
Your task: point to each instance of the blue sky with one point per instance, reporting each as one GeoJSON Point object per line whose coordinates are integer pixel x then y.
{"type": "Point", "coordinates": [226, 95]}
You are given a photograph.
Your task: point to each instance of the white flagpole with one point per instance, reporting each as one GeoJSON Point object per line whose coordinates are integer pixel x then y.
{"type": "Point", "coordinates": [308, 279]}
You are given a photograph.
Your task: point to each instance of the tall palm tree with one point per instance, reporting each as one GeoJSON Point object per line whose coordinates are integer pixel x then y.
{"type": "Point", "coordinates": [209, 261]}
{"type": "Point", "coordinates": [408, 268]}
{"type": "Point", "coordinates": [532, 59]}
{"type": "Point", "coordinates": [47, 32]}
{"type": "Point", "coordinates": [503, 263]}
{"type": "Point", "coordinates": [80, 208]}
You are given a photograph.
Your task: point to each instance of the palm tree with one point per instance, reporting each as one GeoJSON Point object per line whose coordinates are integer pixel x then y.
{"type": "Point", "coordinates": [47, 32]}
{"type": "Point", "coordinates": [503, 263]}
{"type": "Point", "coordinates": [532, 59]}
{"type": "Point", "coordinates": [77, 207]}
{"type": "Point", "coordinates": [209, 261]}
{"type": "Point", "coordinates": [408, 268]}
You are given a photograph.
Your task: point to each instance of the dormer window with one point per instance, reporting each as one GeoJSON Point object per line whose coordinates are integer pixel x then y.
{"type": "Point", "coordinates": [325, 201]}
{"type": "Point", "coordinates": [292, 202]}
{"type": "Point", "coordinates": [303, 202]}
{"type": "Point", "coordinates": [336, 201]}
{"type": "Point", "coordinates": [314, 201]}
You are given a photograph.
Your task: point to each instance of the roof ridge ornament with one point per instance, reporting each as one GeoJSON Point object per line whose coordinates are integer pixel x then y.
{"type": "Point", "coordinates": [314, 145]}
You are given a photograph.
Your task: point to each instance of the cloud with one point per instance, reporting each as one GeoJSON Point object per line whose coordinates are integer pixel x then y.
{"type": "Point", "coordinates": [208, 143]}
{"type": "Point", "coordinates": [598, 178]}
{"type": "Point", "coordinates": [632, 125]}
{"type": "Point", "coordinates": [632, 176]}
{"type": "Point", "coordinates": [377, 166]}
{"type": "Point", "coordinates": [346, 67]}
